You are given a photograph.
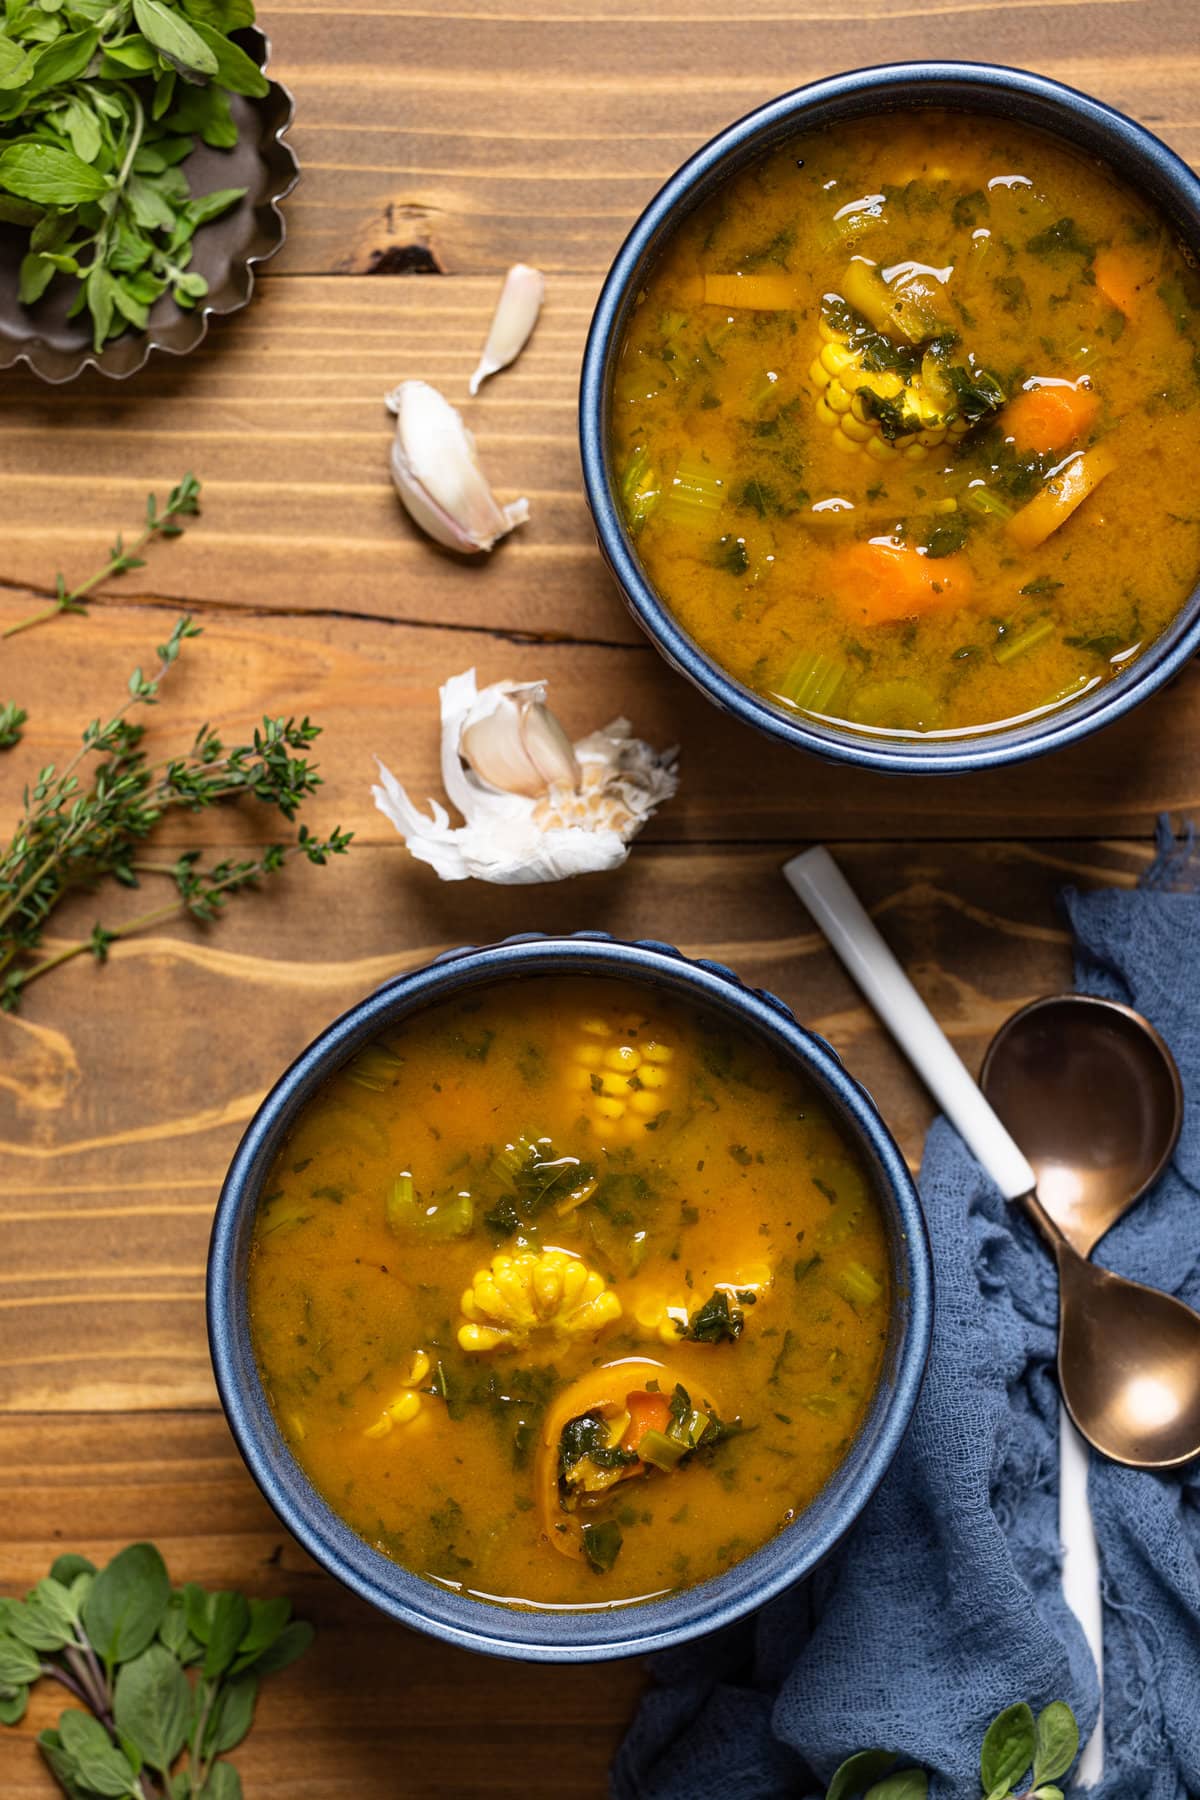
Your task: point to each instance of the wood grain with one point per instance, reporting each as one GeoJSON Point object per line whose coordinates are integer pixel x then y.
{"type": "Point", "coordinates": [373, 687]}
{"type": "Point", "coordinates": [372, 1710]}
{"type": "Point", "coordinates": [456, 135]}
{"type": "Point", "coordinates": [113, 1142]}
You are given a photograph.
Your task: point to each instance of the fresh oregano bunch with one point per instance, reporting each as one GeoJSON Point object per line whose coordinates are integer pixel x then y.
{"type": "Point", "coordinates": [169, 1677]}
{"type": "Point", "coordinates": [101, 103]}
{"type": "Point", "coordinates": [75, 831]}
{"type": "Point", "coordinates": [1022, 1759]}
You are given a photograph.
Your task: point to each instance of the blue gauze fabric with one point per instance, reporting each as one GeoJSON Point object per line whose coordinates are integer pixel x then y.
{"type": "Point", "coordinates": [943, 1605]}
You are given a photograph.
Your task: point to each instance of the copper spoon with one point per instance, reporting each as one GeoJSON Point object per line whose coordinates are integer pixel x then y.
{"type": "Point", "coordinates": [1092, 1095]}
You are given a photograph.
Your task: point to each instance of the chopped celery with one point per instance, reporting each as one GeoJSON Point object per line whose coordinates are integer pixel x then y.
{"type": "Point", "coordinates": [761, 389]}
{"type": "Point", "coordinates": [671, 324]}
{"type": "Point", "coordinates": [824, 1405]}
{"type": "Point", "coordinates": [1014, 644]}
{"type": "Point", "coordinates": [856, 1284]}
{"type": "Point", "coordinates": [450, 1217]}
{"type": "Point", "coordinates": [987, 503]}
{"type": "Point", "coordinates": [640, 491]}
{"type": "Point", "coordinates": [664, 1452]}
{"type": "Point", "coordinates": [508, 1163]}
{"type": "Point", "coordinates": [900, 704]}
{"type": "Point", "coordinates": [813, 680]}
{"type": "Point", "coordinates": [715, 336]}
{"type": "Point", "coordinates": [694, 493]}
{"type": "Point", "coordinates": [402, 1203]}
{"type": "Point", "coordinates": [374, 1068]}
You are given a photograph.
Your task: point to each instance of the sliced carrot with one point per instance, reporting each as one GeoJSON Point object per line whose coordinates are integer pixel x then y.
{"type": "Point", "coordinates": [1050, 417]}
{"type": "Point", "coordinates": [880, 582]}
{"type": "Point", "coordinates": [647, 1412]}
{"type": "Point", "coordinates": [758, 293]}
{"type": "Point", "coordinates": [1123, 279]}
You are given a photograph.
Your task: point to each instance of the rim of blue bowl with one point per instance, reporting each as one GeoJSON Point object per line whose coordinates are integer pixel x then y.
{"type": "Point", "coordinates": [569, 1635]}
{"type": "Point", "coordinates": [1139, 158]}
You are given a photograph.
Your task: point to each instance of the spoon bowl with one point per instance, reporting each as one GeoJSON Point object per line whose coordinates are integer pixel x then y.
{"type": "Point", "coordinates": [1091, 1093]}
{"type": "Point", "coordinates": [1128, 1365]}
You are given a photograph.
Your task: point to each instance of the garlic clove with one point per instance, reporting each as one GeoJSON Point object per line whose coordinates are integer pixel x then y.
{"type": "Point", "coordinates": [549, 748]}
{"type": "Point", "coordinates": [494, 747]}
{"type": "Point", "coordinates": [513, 321]}
{"type": "Point", "coordinates": [435, 467]}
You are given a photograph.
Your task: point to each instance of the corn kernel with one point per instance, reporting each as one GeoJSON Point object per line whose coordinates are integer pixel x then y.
{"type": "Point", "coordinates": [595, 1027]}
{"type": "Point", "coordinates": [836, 357]}
{"type": "Point", "coordinates": [826, 330]}
{"type": "Point", "coordinates": [654, 1052]}
{"type": "Point", "coordinates": [608, 1109]}
{"type": "Point", "coordinates": [588, 1055]}
{"type": "Point", "coordinates": [881, 449]}
{"type": "Point", "coordinates": [818, 374]}
{"type": "Point", "coordinates": [646, 1104]}
{"type": "Point", "coordinates": [652, 1076]}
{"type": "Point", "coordinates": [837, 397]}
{"type": "Point", "coordinates": [623, 1058]}
{"type": "Point", "coordinates": [419, 1370]}
{"type": "Point", "coordinates": [855, 430]}
{"type": "Point", "coordinates": [846, 444]}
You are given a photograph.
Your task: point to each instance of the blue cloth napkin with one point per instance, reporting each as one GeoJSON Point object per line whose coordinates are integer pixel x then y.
{"type": "Point", "coordinates": [943, 1605]}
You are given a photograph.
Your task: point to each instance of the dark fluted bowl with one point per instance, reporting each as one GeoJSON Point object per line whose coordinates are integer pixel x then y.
{"type": "Point", "coordinates": [577, 1636]}
{"type": "Point", "coordinates": [1134, 153]}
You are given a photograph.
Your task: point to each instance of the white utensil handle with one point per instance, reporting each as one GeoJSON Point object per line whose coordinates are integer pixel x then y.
{"type": "Point", "coordinates": [820, 884]}
{"type": "Point", "coordinates": [828, 896]}
{"type": "Point", "coordinates": [1081, 1574]}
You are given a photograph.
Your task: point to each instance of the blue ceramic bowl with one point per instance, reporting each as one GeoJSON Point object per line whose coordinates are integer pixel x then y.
{"type": "Point", "coordinates": [1133, 153]}
{"type": "Point", "coordinates": [578, 1635]}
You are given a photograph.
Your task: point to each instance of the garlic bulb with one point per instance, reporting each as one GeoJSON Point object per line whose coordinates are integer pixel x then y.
{"type": "Point", "coordinates": [436, 470]}
{"type": "Point", "coordinates": [512, 322]}
{"type": "Point", "coordinates": [535, 808]}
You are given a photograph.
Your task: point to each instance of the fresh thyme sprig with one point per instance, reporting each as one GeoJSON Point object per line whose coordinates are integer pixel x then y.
{"type": "Point", "coordinates": [124, 1643]}
{"type": "Point", "coordinates": [182, 502]}
{"type": "Point", "coordinates": [12, 717]}
{"type": "Point", "coordinates": [72, 834]}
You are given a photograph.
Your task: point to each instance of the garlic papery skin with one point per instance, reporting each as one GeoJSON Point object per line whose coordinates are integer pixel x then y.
{"type": "Point", "coordinates": [513, 321]}
{"type": "Point", "coordinates": [435, 467]}
{"type": "Point", "coordinates": [589, 803]}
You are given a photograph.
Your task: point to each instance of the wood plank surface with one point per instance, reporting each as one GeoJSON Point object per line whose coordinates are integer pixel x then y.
{"type": "Point", "coordinates": [452, 136]}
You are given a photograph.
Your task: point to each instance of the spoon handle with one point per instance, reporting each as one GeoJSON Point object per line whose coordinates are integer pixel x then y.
{"type": "Point", "coordinates": [835, 906]}
{"type": "Point", "coordinates": [823, 888]}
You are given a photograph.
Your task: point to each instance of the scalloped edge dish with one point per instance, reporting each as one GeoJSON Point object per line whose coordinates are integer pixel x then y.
{"type": "Point", "coordinates": [228, 251]}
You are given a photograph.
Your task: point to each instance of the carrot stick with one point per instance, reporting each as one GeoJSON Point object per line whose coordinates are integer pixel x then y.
{"type": "Point", "coordinates": [647, 1412]}
{"type": "Point", "coordinates": [1122, 279]}
{"type": "Point", "coordinates": [883, 581]}
{"type": "Point", "coordinates": [1049, 418]}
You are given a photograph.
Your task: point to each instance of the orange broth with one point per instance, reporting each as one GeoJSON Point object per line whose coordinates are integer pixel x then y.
{"type": "Point", "coordinates": [686, 1179]}
{"type": "Point", "coordinates": [907, 420]}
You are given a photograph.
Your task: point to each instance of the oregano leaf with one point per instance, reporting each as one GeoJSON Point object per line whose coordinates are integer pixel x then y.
{"type": "Point", "coordinates": [152, 1704]}
{"type": "Point", "coordinates": [1007, 1748]}
{"type": "Point", "coordinates": [857, 1773]}
{"type": "Point", "coordinates": [126, 1603]}
{"type": "Point", "coordinates": [907, 1784]}
{"type": "Point", "coordinates": [1056, 1742]}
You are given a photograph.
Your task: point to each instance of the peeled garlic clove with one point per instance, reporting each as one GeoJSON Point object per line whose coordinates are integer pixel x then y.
{"type": "Point", "coordinates": [515, 316]}
{"type": "Point", "coordinates": [515, 743]}
{"type": "Point", "coordinates": [436, 470]}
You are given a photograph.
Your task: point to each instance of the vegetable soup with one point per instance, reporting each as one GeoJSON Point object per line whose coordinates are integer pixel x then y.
{"type": "Point", "coordinates": [907, 422]}
{"type": "Point", "coordinates": [567, 1293]}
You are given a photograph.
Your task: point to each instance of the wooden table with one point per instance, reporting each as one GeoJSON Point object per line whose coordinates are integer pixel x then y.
{"type": "Point", "coordinates": [440, 142]}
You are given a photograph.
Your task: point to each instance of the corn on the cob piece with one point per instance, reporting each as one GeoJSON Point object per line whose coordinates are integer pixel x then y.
{"type": "Point", "coordinates": [622, 1075]}
{"type": "Point", "coordinates": [407, 1403]}
{"type": "Point", "coordinates": [517, 1296]}
{"type": "Point", "coordinates": [847, 393]}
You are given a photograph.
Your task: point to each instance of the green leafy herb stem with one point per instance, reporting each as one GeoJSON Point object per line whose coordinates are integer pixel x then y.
{"type": "Point", "coordinates": [169, 1676]}
{"type": "Point", "coordinates": [182, 502]}
{"type": "Point", "coordinates": [71, 834]}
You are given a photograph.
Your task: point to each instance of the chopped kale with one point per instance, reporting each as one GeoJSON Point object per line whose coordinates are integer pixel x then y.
{"type": "Point", "coordinates": [1105, 644]}
{"type": "Point", "coordinates": [602, 1544]}
{"type": "Point", "coordinates": [1063, 238]}
{"type": "Point", "coordinates": [586, 1439]}
{"type": "Point", "coordinates": [717, 1321]}
{"type": "Point", "coordinates": [760, 497]}
{"type": "Point", "coordinates": [1042, 584]}
{"type": "Point", "coordinates": [968, 209]}
{"type": "Point", "coordinates": [731, 555]}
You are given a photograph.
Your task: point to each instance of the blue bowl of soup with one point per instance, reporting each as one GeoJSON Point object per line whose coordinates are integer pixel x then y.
{"type": "Point", "coordinates": [598, 1409]}
{"type": "Point", "coordinates": [867, 407]}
